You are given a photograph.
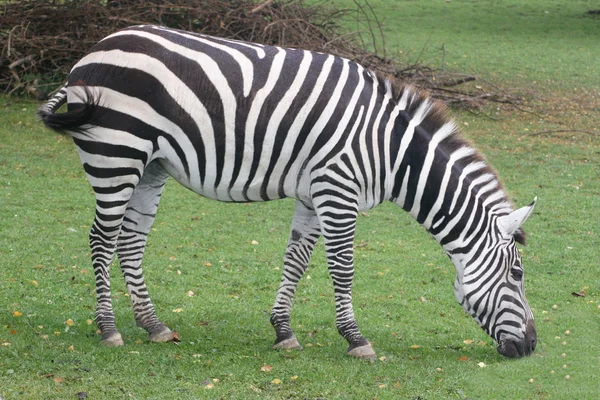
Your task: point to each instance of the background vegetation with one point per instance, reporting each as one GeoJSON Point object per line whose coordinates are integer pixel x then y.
{"type": "Point", "coordinates": [229, 256]}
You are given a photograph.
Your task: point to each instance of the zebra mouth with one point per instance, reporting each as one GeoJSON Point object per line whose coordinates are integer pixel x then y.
{"type": "Point", "coordinates": [513, 349]}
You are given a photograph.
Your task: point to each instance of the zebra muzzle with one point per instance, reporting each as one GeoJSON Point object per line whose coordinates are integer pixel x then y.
{"type": "Point", "coordinates": [522, 347]}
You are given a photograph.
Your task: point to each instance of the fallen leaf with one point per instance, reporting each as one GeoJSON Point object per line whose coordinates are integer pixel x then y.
{"type": "Point", "coordinates": [17, 314]}
{"type": "Point", "coordinates": [415, 346]}
{"type": "Point", "coordinates": [257, 390]}
{"type": "Point", "coordinates": [71, 348]}
{"type": "Point", "coordinates": [467, 341]}
{"type": "Point", "coordinates": [190, 293]}
{"type": "Point", "coordinates": [295, 377]}
{"type": "Point", "coordinates": [276, 381]}
{"type": "Point", "coordinates": [254, 242]}
{"type": "Point", "coordinates": [463, 358]}
{"type": "Point", "coordinates": [481, 365]}
{"type": "Point", "coordinates": [178, 310]}
{"type": "Point", "coordinates": [58, 380]}
{"type": "Point", "coordinates": [69, 322]}
{"type": "Point", "coordinates": [89, 321]}
{"type": "Point", "coordinates": [266, 368]}
{"type": "Point", "coordinates": [12, 332]}
{"type": "Point", "coordinates": [207, 264]}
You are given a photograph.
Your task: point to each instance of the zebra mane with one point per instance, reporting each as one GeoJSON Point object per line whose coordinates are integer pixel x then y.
{"type": "Point", "coordinates": [435, 119]}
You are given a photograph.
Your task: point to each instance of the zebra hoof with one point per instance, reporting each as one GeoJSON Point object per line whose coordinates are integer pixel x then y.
{"type": "Point", "coordinates": [365, 352]}
{"type": "Point", "coordinates": [166, 335]}
{"type": "Point", "coordinates": [288, 344]}
{"type": "Point", "coordinates": [114, 340]}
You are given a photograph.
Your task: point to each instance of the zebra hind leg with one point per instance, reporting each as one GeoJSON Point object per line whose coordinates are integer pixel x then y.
{"type": "Point", "coordinates": [304, 234]}
{"type": "Point", "coordinates": [131, 245]}
{"type": "Point", "coordinates": [111, 205]}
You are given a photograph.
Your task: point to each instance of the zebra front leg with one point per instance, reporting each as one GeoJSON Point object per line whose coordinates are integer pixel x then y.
{"type": "Point", "coordinates": [131, 245]}
{"type": "Point", "coordinates": [304, 234]}
{"type": "Point", "coordinates": [338, 222]}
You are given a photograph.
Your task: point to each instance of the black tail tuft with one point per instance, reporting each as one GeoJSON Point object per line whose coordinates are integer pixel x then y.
{"type": "Point", "coordinates": [76, 118]}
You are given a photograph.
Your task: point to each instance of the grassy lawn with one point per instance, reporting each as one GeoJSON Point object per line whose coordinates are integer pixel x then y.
{"type": "Point", "coordinates": [230, 256]}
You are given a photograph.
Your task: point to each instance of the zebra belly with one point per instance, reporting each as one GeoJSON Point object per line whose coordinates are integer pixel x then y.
{"type": "Point", "coordinates": [237, 192]}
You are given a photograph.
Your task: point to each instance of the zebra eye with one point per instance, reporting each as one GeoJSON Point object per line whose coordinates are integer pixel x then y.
{"type": "Point", "coordinates": [517, 274]}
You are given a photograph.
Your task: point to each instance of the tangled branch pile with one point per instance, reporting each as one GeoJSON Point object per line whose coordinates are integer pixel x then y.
{"type": "Point", "coordinates": [42, 39]}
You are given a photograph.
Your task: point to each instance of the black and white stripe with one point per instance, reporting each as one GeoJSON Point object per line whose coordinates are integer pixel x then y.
{"type": "Point", "coordinates": [241, 122]}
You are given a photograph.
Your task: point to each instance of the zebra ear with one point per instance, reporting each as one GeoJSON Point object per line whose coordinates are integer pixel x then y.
{"type": "Point", "coordinates": [509, 224]}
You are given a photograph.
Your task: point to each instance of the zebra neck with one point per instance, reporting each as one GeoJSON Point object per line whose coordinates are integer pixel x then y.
{"type": "Point", "coordinates": [438, 178]}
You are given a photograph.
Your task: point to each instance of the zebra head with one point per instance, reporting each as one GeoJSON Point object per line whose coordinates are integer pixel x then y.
{"type": "Point", "coordinates": [489, 284]}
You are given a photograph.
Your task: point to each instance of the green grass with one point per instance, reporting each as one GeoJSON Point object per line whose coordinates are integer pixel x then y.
{"type": "Point", "coordinates": [46, 207]}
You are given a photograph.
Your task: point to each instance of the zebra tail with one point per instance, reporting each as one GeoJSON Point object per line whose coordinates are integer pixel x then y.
{"type": "Point", "coordinates": [74, 120]}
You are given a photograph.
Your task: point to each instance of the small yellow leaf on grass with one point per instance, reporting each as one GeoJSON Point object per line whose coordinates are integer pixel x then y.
{"type": "Point", "coordinates": [209, 386]}
{"type": "Point", "coordinates": [207, 264]}
{"type": "Point", "coordinates": [71, 348]}
{"type": "Point", "coordinates": [415, 346]}
{"type": "Point", "coordinates": [190, 293]}
{"type": "Point", "coordinates": [276, 381]}
{"type": "Point", "coordinates": [172, 258]}
{"type": "Point", "coordinates": [17, 314]}
{"type": "Point", "coordinates": [178, 272]}
{"type": "Point", "coordinates": [295, 377]}
{"type": "Point", "coordinates": [481, 365]}
{"type": "Point", "coordinates": [382, 386]}
{"type": "Point", "coordinates": [69, 322]}
{"type": "Point", "coordinates": [463, 358]}
{"type": "Point", "coordinates": [467, 341]}
{"type": "Point", "coordinates": [89, 321]}
{"type": "Point", "coordinates": [34, 283]}
{"type": "Point", "coordinates": [178, 310]}
{"type": "Point", "coordinates": [58, 380]}
{"type": "Point", "coordinates": [5, 343]}
{"type": "Point", "coordinates": [266, 368]}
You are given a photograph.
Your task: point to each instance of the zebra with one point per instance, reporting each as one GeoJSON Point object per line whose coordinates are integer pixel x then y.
{"type": "Point", "coordinates": [242, 122]}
